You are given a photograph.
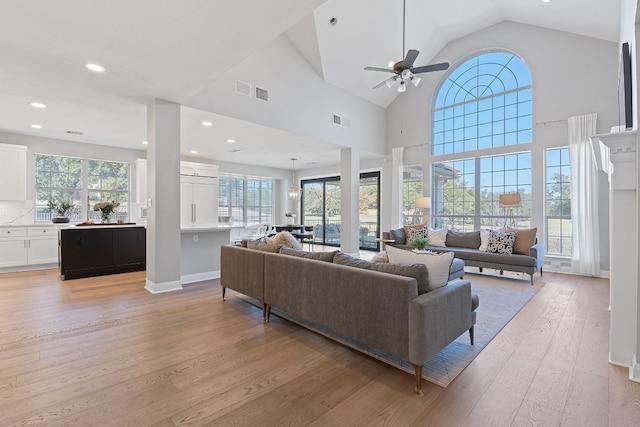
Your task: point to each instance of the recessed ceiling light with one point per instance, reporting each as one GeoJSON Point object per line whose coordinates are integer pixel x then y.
{"type": "Point", "coordinates": [35, 126]}
{"type": "Point", "coordinates": [231, 141]}
{"type": "Point", "coordinates": [193, 152]}
{"type": "Point", "coordinates": [145, 142]}
{"type": "Point", "coordinates": [38, 105]}
{"type": "Point", "coordinates": [207, 123]}
{"type": "Point", "coordinates": [95, 67]}
{"type": "Point", "coordinates": [546, 1]}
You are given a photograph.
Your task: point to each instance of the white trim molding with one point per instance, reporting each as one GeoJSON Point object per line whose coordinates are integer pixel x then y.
{"type": "Point", "coordinates": [200, 277]}
{"type": "Point", "coordinates": [158, 288]}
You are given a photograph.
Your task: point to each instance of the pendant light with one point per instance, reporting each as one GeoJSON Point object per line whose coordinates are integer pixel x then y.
{"type": "Point", "coordinates": [293, 193]}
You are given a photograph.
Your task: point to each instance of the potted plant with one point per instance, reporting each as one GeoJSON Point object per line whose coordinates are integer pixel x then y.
{"type": "Point", "coordinates": [419, 242]}
{"type": "Point", "coordinates": [61, 208]}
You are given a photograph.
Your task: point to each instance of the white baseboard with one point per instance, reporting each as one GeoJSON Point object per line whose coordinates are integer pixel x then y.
{"type": "Point", "coordinates": [200, 277]}
{"type": "Point", "coordinates": [634, 371]}
{"type": "Point", "coordinates": [157, 288]}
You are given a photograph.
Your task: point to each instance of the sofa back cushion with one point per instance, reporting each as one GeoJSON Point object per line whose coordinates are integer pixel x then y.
{"type": "Point", "coordinates": [438, 265]}
{"type": "Point", "coordinates": [459, 239]}
{"type": "Point", "coordinates": [398, 235]}
{"type": "Point", "coordinates": [322, 256]}
{"type": "Point", "coordinates": [416, 271]}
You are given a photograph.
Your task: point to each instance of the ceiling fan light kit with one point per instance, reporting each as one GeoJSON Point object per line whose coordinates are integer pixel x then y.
{"type": "Point", "coordinates": [404, 69]}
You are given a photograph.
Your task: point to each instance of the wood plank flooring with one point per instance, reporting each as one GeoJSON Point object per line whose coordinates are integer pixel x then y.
{"type": "Point", "coordinates": [103, 351]}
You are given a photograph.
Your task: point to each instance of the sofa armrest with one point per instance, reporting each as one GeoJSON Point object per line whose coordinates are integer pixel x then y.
{"type": "Point", "coordinates": [437, 318]}
{"type": "Point", "coordinates": [537, 251]}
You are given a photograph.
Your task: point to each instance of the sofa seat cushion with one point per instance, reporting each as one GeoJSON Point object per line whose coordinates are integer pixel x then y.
{"type": "Point", "coordinates": [416, 271]}
{"type": "Point", "coordinates": [438, 265]}
{"type": "Point", "coordinates": [488, 257]}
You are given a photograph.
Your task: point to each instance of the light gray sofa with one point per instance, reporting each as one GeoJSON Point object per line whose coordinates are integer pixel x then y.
{"type": "Point", "coordinates": [379, 309]}
{"type": "Point", "coordinates": [474, 257]}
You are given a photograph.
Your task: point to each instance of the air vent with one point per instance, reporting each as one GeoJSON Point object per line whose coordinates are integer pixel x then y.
{"type": "Point", "coordinates": [75, 132]}
{"type": "Point", "coordinates": [243, 88]}
{"type": "Point", "coordinates": [262, 94]}
{"type": "Point", "coordinates": [337, 120]}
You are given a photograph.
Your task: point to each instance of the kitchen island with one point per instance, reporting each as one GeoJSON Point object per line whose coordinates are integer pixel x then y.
{"type": "Point", "coordinates": [98, 250]}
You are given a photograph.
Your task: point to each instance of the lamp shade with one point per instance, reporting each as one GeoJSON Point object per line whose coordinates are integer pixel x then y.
{"type": "Point", "coordinates": [510, 200]}
{"type": "Point", "coordinates": [423, 202]}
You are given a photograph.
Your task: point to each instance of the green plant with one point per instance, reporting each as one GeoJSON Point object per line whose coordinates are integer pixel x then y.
{"type": "Point", "coordinates": [419, 242]}
{"type": "Point", "coordinates": [61, 207]}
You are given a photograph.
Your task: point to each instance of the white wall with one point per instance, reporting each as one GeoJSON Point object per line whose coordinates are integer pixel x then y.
{"type": "Point", "coordinates": [571, 75]}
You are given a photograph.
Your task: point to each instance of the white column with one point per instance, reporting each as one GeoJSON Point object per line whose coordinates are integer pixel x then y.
{"type": "Point", "coordinates": [623, 210]}
{"type": "Point", "coordinates": [349, 200]}
{"type": "Point", "coordinates": [163, 189]}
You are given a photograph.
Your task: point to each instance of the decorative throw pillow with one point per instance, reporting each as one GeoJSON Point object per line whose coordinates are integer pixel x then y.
{"type": "Point", "coordinates": [320, 256]}
{"type": "Point", "coordinates": [285, 238]}
{"type": "Point", "coordinates": [501, 243]}
{"type": "Point", "coordinates": [484, 240]}
{"type": "Point", "coordinates": [525, 238]}
{"type": "Point", "coordinates": [413, 231]}
{"type": "Point", "coordinates": [438, 265]}
{"type": "Point", "coordinates": [458, 239]}
{"type": "Point", "coordinates": [380, 257]}
{"type": "Point", "coordinates": [437, 237]}
{"type": "Point", "coordinates": [416, 271]}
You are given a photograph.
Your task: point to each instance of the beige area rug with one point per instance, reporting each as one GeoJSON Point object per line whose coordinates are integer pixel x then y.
{"type": "Point", "coordinates": [501, 299]}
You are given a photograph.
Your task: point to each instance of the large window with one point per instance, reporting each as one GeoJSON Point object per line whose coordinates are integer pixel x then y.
{"type": "Point", "coordinates": [57, 178]}
{"type": "Point", "coordinates": [108, 182]}
{"type": "Point", "coordinates": [321, 209]}
{"type": "Point", "coordinates": [483, 103]}
{"type": "Point", "coordinates": [558, 202]}
{"type": "Point", "coordinates": [482, 107]}
{"type": "Point", "coordinates": [246, 199]}
{"type": "Point", "coordinates": [82, 182]}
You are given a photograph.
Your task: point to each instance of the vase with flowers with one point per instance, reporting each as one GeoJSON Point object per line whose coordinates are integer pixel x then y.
{"type": "Point", "coordinates": [290, 217]}
{"type": "Point", "coordinates": [106, 209]}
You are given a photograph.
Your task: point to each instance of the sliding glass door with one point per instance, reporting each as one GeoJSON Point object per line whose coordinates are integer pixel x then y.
{"type": "Point", "coordinates": [321, 209]}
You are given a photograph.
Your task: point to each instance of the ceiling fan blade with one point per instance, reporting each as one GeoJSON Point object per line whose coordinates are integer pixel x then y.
{"type": "Point", "coordinates": [433, 67]}
{"type": "Point", "coordinates": [378, 69]}
{"type": "Point", "coordinates": [384, 82]}
{"type": "Point", "coordinates": [411, 56]}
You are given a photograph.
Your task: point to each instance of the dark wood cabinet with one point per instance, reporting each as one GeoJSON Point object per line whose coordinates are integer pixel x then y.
{"type": "Point", "coordinates": [102, 250]}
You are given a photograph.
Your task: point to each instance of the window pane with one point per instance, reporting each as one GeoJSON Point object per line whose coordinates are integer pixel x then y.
{"type": "Point", "coordinates": [57, 178]}
{"type": "Point", "coordinates": [558, 202]}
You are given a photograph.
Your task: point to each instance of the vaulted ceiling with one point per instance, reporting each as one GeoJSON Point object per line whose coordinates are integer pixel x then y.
{"type": "Point", "coordinates": [172, 50]}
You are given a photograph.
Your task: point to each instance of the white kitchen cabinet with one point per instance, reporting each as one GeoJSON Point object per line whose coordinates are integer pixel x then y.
{"type": "Point", "coordinates": [13, 247]}
{"type": "Point", "coordinates": [22, 246]}
{"type": "Point", "coordinates": [13, 172]}
{"type": "Point", "coordinates": [198, 201]}
{"type": "Point", "coordinates": [198, 169]}
{"type": "Point", "coordinates": [42, 245]}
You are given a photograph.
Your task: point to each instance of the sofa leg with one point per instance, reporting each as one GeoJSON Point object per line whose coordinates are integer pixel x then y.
{"type": "Point", "coordinates": [471, 335]}
{"type": "Point", "coordinates": [531, 275]}
{"type": "Point", "coordinates": [224, 290]}
{"type": "Point", "coordinates": [418, 369]}
{"type": "Point", "coordinates": [266, 312]}
{"type": "Point", "coordinates": [541, 272]}
{"type": "Point", "coordinates": [480, 269]}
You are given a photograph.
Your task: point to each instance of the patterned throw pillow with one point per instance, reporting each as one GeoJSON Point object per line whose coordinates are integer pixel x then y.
{"type": "Point", "coordinates": [501, 243]}
{"type": "Point", "coordinates": [413, 231]}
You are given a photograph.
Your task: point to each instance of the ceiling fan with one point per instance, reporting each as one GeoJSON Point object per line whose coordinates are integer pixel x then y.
{"type": "Point", "coordinates": [403, 70]}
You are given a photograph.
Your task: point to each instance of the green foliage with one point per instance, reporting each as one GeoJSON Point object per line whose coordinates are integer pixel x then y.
{"type": "Point", "coordinates": [61, 207]}
{"type": "Point", "coordinates": [419, 242]}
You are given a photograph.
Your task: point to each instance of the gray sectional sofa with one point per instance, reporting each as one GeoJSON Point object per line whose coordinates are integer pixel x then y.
{"type": "Point", "coordinates": [376, 308]}
{"type": "Point", "coordinates": [465, 247]}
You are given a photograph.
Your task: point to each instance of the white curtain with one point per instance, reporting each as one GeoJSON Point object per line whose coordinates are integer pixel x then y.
{"type": "Point", "coordinates": [585, 254]}
{"type": "Point", "coordinates": [396, 190]}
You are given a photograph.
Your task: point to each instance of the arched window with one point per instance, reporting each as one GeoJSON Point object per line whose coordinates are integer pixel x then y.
{"type": "Point", "coordinates": [481, 123]}
{"type": "Point", "coordinates": [484, 102]}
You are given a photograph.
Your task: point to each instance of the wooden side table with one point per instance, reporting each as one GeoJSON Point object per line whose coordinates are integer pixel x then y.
{"type": "Point", "coordinates": [384, 242]}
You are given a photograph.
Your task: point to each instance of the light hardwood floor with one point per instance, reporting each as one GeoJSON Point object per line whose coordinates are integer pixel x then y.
{"type": "Point", "coordinates": [103, 351]}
